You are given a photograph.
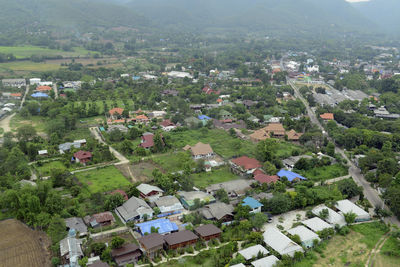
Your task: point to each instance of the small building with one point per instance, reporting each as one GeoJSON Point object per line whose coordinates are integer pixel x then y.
{"type": "Point", "coordinates": [200, 151]}
{"type": "Point", "coordinates": [208, 232]}
{"type": "Point", "coordinates": [163, 226]}
{"type": "Point", "coordinates": [167, 125]}
{"type": "Point", "coordinates": [149, 191]}
{"type": "Point", "coordinates": [255, 206]}
{"type": "Point", "coordinates": [169, 92]}
{"type": "Point", "coordinates": [188, 198]}
{"type": "Point", "coordinates": [43, 153]}
{"type": "Point", "coordinates": [219, 211]}
{"type": "Point", "coordinates": [293, 136]}
{"type": "Point", "coordinates": [244, 166]}
{"type": "Point", "coordinates": [253, 252]}
{"type": "Point", "coordinates": [118, 127]}
{"type": "Point", "coordinates": [152, 244]}
{"type": "Point", "coordinates": [291, 161]}
{"type": "Point", "coordinates": [77, 224]}
{"type": "Point", "coordinates": [83, 156]}
{"type": "Point", "coordinates": [169, 204]}
{"type": "Point", "coordinates": [71, 248]}
{"type": "Point", "coordinates": [81, 141]}
{"type": "Point", "coordinates": [280, 243]}
{"type": "Point", "coordinates": [43, 88]}
{"type": "Point", "coordinates": [96, 263]}
{"type": "Point", "coordinates": [128, 253]}
{"type": "Point", "coordinates": [100, 219]}
{"type": "Point", "coordinates": [316, 224]}
{"type": "Point", "coordinates": [346, 206]}
{"type": "Point", "coordinates": [67, 147]}
{"type": "Point", "coordinates": [291, 176]}
{"type": "Point", "coordinates": [234, 188]}
{"type": "Point", "coordinates": [147, 141]}
{"type": "Point", "coordinates": [13, 82]}
{"type": "Point", "coordinates": [269, 261]}
{"type": "Point", "coordinates": [327, 116]}
{"type": "Point", "coordinates": [180, 239]}
{"type": "Point", "coordinates": [135, 209]}
{"type": "Point", "coordinates": [307, 236]}
{"type": "Point", "coordinates": [116, 113]}
{"type": "Point", "coordinates": [266, 179]}
{"type": "Point", "coordinates": [333, 217]}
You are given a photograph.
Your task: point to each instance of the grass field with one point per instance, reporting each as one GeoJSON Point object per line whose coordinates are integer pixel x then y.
{"type": "Point", "coordinates": [110, 104]}
{"type": "Point", "coordinates": [21, 52]}
{"type": "Point", "coordinates": [173, 162]}
{"type": "Point", "coordinates": [325, 172]}
{"type": "Point", "coordinates": [221, 142]}
{"type": "Point", "coordinates": [103, 179]}
{"type": "Point", "coordinates": [46, 168]}
{"type": "Point", "coordinates": [26, 66]}
{"type": "Point", "coordinates": [285, 149]}
{"type": "Point", "coordinates": [205, 179]}
{"type": "Point", "coordinates": [37, 122]}
{"type": "Point", "coordinates": [21, 246]}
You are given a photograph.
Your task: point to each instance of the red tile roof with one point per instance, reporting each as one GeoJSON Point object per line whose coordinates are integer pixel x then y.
{"type": "Point", "coordinates": [258, 171]}
{"type": "Point", "coordinates": [82, 155]}
{"type": "Point", "coordinates": [247, 163]}
{"type": "Point", "coordinates": [43, 88]}
{"type": "Point", "coordinates": [116, 110]}
{"type": "Point", "coordinates": [147, 140]}
{"type": "Point", "coordinates": [264, 178]}
{"type": "Point", "coordinates": [16, 94]}
{"type": "Point", "coordinates": [167, 123]}
{"type": "Point", "coordinates": [327, 116]}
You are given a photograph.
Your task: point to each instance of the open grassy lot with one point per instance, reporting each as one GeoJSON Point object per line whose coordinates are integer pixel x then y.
{"type": "Point", "coordinates": [46, 168]}
{"type": "Point", "coordinates": [285, 149]}
{"type": "Point", "coordinates": [37, 122]}
{"type": "Point", "coordinates": [172, 162]}
{"type": "Point", "coordinates": [102, 179]}
{"type": "Point", "coordinates": [110, 104]}
{"type": "Point", "coordinates": [27, 66]}
{"type": "Point", "coordinates": [325, 172]}
{"type": "Point", "coordinates": [222, 143]}
{"type": "Point", "coordinates": [27, 51]}
{"type": "Point", "coordinates": [205, 179]}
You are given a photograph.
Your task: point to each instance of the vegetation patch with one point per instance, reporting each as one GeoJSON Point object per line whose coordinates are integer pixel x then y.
{"type": "Point", "coordinates": [205, 179]}
{"type": "Point", "coordinates": [325, 172]}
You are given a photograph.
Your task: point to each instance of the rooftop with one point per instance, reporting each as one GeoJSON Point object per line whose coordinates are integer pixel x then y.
{"type": "Point", "coordinates": [280, 243]}
{"type": "Point", "coordinates": [253, 251]}
{"type": "Point", "coordinates": [152, 240]}
{"type": "Point", "coordinates": [252, 203]}
{"type": "Point", "coordinates": [247, 163]}
{"type": "Point", "coordinates": [180, 237]}
{"type": "Point", "coordinates": [207, 230]}
{"type": "Point", "coordinates": [316, 224]}
{"type": "Point", "coordinates": [290, 175]}
{"type": "Point", "coordinates": [147, 188]}
{"type": "Point", "coordinates": [269, 261]}
{"type": "Point", "coordinates": [163, 225]}
{"type": "Point", "coordinates": [304, 233]}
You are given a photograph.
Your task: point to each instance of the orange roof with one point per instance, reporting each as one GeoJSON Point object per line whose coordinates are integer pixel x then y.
{"type": "Point", "coordinates": [142, 117]}
{"type": "Point", "coordinates": [43, 88]}
{"type": "Point", "coordinates": [219, 100]}
{"type": "Point", "coordinates": [293, 135]}
{"type": "Point", "coordinates": [327, 116]}
{"type": "Point", "coordinates": [16, 94]}
{"type": "Point", "coordinates": [116, 110]}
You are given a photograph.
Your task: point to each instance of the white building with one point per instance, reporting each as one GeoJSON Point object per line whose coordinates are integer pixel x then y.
{"type": "Point", "coordinates": [307, 236]}
{"type": "Point", "coordinates": [316, 224]}
{"type": "Point", "coordinates": [333, 217]}
{"type": "Point", "coordinates": [346, 206]}
{"type": "Point", "coordinates": [253, 252]}
{"type": "Point", "coordinates": [34, 81]}
{"type": "Point", "coordinates": [179, 74]}
{"type": "Point", "coordinates": [269, 261]}
{"type": "Point", "coordinates": [280, 243]}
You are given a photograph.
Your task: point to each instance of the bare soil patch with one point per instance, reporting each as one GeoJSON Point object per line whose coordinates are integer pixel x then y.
{"type": "Point", "coordinates": [22, 246]}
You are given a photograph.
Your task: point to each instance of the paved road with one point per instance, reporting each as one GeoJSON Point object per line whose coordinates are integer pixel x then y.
{"type": "Point", "coordinates": [371, 194]}
{"type": "Point", "coordinates": [55, 90]}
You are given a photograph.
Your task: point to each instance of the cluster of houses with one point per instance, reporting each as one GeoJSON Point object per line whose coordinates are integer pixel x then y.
{"type": "Point", "coordinates": [275, 130]}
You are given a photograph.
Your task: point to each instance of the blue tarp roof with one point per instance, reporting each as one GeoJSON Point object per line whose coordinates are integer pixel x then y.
{"type": "Point", "coordinates": [252, 203]}
{"type": "Point", "coordinates": [163, 225]}
{"type": "Point", "coordinates": [204, 117]}
{"type": "Point", "coordinates": [39, 95]}
{"type": "Point", "coordinates": [290, 175]}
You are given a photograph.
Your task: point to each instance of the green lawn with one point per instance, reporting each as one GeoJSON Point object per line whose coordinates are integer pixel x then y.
{"type": "Point", "coordinates": [28, 66]}
{"type": "Point", "coordinates": [110, 104]}
{"type": "Point", "coordinates": [325, 172]}
{"type": "Point", "coordinates": [221, 142]}
{"type": "Point", "coordinates": [372, 232]}
{"type": "Point", "coordinates": [45, 169]}
{"type": "Point", "coordinates": [21, 52]}
{"type": "Point", "coordinates": [391, 245]}
{"type": "Point", "coordinates": [285, 149]}
{"type": "Point", "coordinates": [205, 179]}
{"type": "Point", "coordinates": [103, 179]}
{"type": "Point", "coordinates": [38, 122]}
{"type": "Point", "coordinates": [173, 162]}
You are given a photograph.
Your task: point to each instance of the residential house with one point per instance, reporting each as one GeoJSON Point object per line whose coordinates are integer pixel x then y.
{"type": "Point", "coordinates": [225, 115]}
{"type": "Point", "coordinates": [147, 141]}
{"type": "Point", "coordinates": [291, 161]}
{"type": "Point", "coordinates": [71, 248]}
{"type": "Point", "coordinates": [219, 211]}
{"type": "Point", "coordinates": [34, 81]}
{"type": "Point", "coordinates": [149, 191]}
{"type": "Point", "coordinates": [263, 178]}
{"type": "Point", "coordinates": [169, 92]}
{"type": "Point", "coordinates": [208, 232]}
{"type": "Point", "coordinates": [128, 253]}
{"type": "Point", "coordinates": [253, 252]}
{"type": "Point", "coordinates": [188, 198]}
{"type": "Point", "coordinates": [158, 114]}
{"type": "Point", "coordinates": [249, 103]}
{"type": "Point", "coordinates": [234, 188]}
{"type": "Point", "coordinates": [163, 227]}
{"type": "Point", "coordinates": [83, 157]}
{"type": "Point", "coordinates": [204, 119]}
{"type": "Point", "coordinates": [141, 118]}
{"type": "Point", "coordinates": [293, 136]}
{"type": "Point", "coordinates": [269, 261]}
{"type": "Point", "coordinates": [167, 125]}
{"type": "Point", "coordinates": [118, 127]}
{"type": "Point", "coordinates": [81, 141]}
{"type": "Point", "coordinates": [100, 219]}
{"type": "Point", "coordinates": [307, 236]}
{"type": "Point", "coordinates": [327, 116]}
{"type": "Point", "coordinates": [77, 224]}
{"type": "Point", "coordinates": [43, 88]}
{"type": "Point", "coordinates": [115, 113]}
{"type": "Point", "coordinates": [13, 82]}
{"type": "Point", "coordinates": [200, 151]}
{"type": "Point", "coordinates": [244, 166]}
{"type": "Point", "coordinates": [346, 206]}
{"type": "Point", "coordinates": [275, 130]}
{"type": "Point", "coordinates": [16, 95]}
{"type": "Point", "coordinates": [152, 244]}
{"type": "Point", "coordinates": [180, 239]}
{"type": "Point", "coordinates": [135, 209]}
{"type": "Point", "coordinates": [291, 176]}
{"type": "Point", "coordinates": [280, 242]}
{"type": "Point", "coordinates": [316, 224]}
{"type": "Point", "coordinates": [43, 153]}
{"type": "Point", "coordinates": [67, 147]}
{"type": "Point", "coordinates": [97, 262]}
{"type": "Point", "coordinates": [254, 205]}
{"type": "Point", "coordinates": [169, 204]}
{"type": "Point", "coordinates": [333, 217]}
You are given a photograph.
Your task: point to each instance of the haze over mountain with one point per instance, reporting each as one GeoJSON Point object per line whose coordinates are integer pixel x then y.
{"type": "Point", "coordinates": [383, 13]}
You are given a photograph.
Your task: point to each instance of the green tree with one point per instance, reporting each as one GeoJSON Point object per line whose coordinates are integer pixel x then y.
{"type": "Point", "coordinates": [330, 149]}
{"type": "Point", "coordinates": [113, 201]}
{"type": "Point", "coordinates": [350, 217]}
{"type": "Point", "coordinates": [158, 143]}
{"type": "Point", "coordinates": [117, 242]}
{"type": "Point", "coordinates": [56, 229]}
{"type": "Point", "coordinates": [26, 133]}
{"type": "Point", "coordinates": [258, 220]}
{"type": "Point", "coordinates": [242, 212]}
{"type": "Point", "coordinates": [349, 188]}
{"type": "Point", "coordinates": [222, 195]}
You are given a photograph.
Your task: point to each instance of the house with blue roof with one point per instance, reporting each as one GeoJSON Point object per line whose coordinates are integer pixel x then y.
{"type": "Point", "coordinates": [204, 117]}
{"type": "Point", "coordinates": [254, 205]}
{"type": "Point", "coordinates": [291, 176]}
{"type": "Point", "coordinates": [163, 226]}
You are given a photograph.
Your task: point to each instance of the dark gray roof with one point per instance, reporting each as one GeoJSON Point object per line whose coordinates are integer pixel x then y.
{"type": "Point", "coordinates": [217, 210]}
{"type": "Point", "coordinates": [152, 240]}
{"type": "Point", "coordinates": [207, 230]}
{"type": "Point", "coordinates": [180, 237]}
{"type": "Point", "coordinates": [77, 224]}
